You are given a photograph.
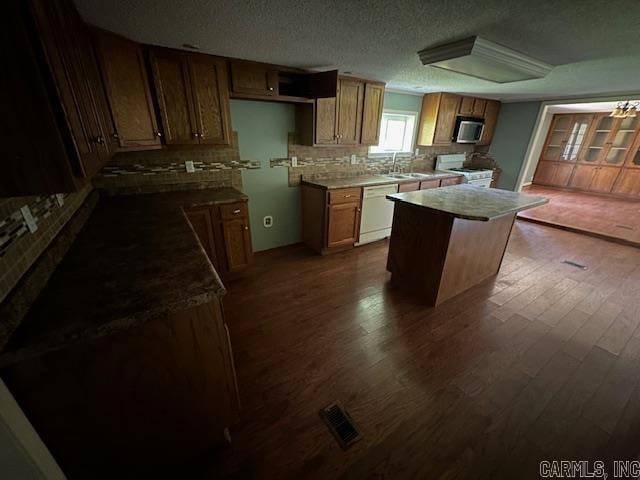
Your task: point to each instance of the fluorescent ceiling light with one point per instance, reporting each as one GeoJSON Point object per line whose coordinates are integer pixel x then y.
{"type": "Point", "coordinates": [481, 58]}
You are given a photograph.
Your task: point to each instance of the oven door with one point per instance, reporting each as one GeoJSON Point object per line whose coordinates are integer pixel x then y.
{"type": "Point", "coordinates": [480, 182]}
{"type": "Point", "coordinates": [469, 131]}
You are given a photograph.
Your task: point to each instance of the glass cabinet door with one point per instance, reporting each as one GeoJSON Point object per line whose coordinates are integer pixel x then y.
{"type": "Point", "coordinates": [633, 157]}
{"type": "Point", "coordinates": [597, 143]}
{"type": "Point", "coordinates": [622, 140]}
{"type": "Point", "coordinates": [560, 128]}
{"type": "Point", "coordinates": [579, 127]}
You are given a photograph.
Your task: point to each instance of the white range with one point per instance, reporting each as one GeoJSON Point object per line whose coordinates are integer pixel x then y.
{"type": "Point", "coordinates": [473, 176]}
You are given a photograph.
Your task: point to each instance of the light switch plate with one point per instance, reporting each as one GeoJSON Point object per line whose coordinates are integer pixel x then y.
{"type": "Point", "coordinates": [294, 161]}
{"type": "Point", "coordinates": [354, 160]}
{"type": "Point", "coordinates": [190, 167]}
{"type": "Point", "coordinates": [267, 221]}
{"type": "Point", "coordinates": [28, 218]}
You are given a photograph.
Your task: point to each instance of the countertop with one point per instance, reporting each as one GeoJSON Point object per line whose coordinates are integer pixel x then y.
{"type": "Point", "coordinates": [371, 180]}
{"type": "Point", "coordinates": [469, 201]}
{"type": "Point", "coordinates": [136, 258]}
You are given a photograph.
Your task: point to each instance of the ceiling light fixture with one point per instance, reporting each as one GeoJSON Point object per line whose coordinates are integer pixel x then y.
{"type": "Point", "coordinates": [483, 59]}
{"type": "Point", "coordinates": [625, 109]}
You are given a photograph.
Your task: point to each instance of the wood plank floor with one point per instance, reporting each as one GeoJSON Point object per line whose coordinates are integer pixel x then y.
{"type": "Point", "coordinates": [611, 218]}
{"type": "Point", "coordinates": [542, 362]}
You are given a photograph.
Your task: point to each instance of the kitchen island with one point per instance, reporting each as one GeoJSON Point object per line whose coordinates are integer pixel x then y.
{"type": "Point", "coordinates": [446, 240]}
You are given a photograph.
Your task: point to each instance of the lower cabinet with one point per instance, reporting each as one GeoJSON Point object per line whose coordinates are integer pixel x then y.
{"type": "Point", "coordinates": [330, 218]}
{"type": "Point", "coordinates": [628, 182]}
{"type": "Point", "coordinates": [594, 178]}
{"type": "Point", "coordinates": [427, 184]}
{"type": "Point", "coordinates": [223, 231]}
{"type": "Point", "coordinates": [445, 182]}
{"type": "Point", "coordinates": [151, 396]}
{"type": "Point", "coordinates": [553, 173]}
{"type": "Point", "coordinates": [408, 187]}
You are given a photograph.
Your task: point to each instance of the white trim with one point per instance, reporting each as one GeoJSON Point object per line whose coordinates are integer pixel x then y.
{"type": "Point", "coordinates": [414, 135]}
{"type": "Point", "coordinates": [541, 128]}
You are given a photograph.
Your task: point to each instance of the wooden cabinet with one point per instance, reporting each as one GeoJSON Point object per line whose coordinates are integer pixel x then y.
{"type": "Point", "coordinates": [127, 85]}
{"type": "Point", "coordinates": [628, 182]}
{"type": "Point", "coordinates": [150, 395]}
{"type": "Point", "coordinates": [427, 184]}
{"type": "Point", "coordinates": [53, 125]}
{"type": "Point", "coordinates": [472, 107]}
{"type": "Point", "coordinates": [440, 112]}
{"type": "Point", "coordinates": [594, 178]}
{"type": "Point", "coordinates": [372, 113]}
{"type": "Point", "coordinates": [253, 78]}
{"type": "Point", "coordinates": [349, 111]}
{"type": "Point", "coordinates": [330, 218]}
{"type": "Point", "coordinates": [409, 187]}
{"type": "Point", "coordinates": [491, 111]}
{"type": "Point", "coordinates": [553, 173]}
{"type": "Point", "coordinates": [223, 231]}
{"type": "Point", "coordinates": [445, 182]}
{"type": "Point", "coordinates": [438, 118]}
{"type": "Point", "coordinates": [193, 97]}
{"type": "Point", "coordinates": [351, 118]}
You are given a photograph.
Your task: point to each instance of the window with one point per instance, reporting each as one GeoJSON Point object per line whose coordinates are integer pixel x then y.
{"type": "Point", "coordinates": [397, 132]}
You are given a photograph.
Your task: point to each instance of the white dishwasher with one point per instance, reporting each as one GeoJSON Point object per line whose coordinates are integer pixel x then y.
{"type": "Point", "coordinates": [377, 213]}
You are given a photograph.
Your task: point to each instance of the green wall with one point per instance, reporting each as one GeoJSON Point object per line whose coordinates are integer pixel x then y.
{"type": "Point", "coordinates": [262, 129]}
{"type": "Point", "coordinates": [402, 101]}
{"type": "Point", "coordinates": [262, 135]}
{"type": "Point", "coordinates": [511, 139]}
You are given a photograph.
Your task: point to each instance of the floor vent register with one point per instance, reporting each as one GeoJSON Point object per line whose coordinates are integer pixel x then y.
{"type": "Point", "coordinates": [340, 424]}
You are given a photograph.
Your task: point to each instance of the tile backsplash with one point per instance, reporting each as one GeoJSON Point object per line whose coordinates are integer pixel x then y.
{"type": "Point", "coordinates": [19, 248]}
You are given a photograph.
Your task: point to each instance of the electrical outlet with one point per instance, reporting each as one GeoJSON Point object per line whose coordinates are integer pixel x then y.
{"type": "Point", "coordinates": [28, 218]}
{"type": "Point", "coordinates": [294, 161]}
{"type": "Point", "coordinates": [417, 151]}
{"type": "Point", "coordinates": [267, 221]}
{"type": "Point", "coordinates": [189, 166]}
{"type": "Point", "coordinates": [354, 160]}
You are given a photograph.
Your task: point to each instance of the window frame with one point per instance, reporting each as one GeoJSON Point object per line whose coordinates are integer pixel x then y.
{"type": "Point", "coordinates": [414, 134]}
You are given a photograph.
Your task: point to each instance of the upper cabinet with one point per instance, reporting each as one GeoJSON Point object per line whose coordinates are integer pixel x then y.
{"type": "Point", "coordinates": [125, 79]}
{"type": "Point", "coordinates": [54, 124]}
{"type": "Point", "coordinates": [440, 111]}
{"type": "Point", "coordinates": [352, 117]}
{"type": "Point", "coordinates": [253, 78]}
{"type": "Point", "coordinates": [372, 113]}
{"type": "Point", "coordinates": [193, 97]}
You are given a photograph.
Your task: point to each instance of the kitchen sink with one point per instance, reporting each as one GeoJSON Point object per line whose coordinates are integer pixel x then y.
{"type": "Point", "coordinates": [407, 175]}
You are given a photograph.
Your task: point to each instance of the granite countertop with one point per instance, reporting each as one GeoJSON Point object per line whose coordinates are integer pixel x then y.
{"type": "Point", "coordinates": [371, 180]}
{"type": "Point", "coordinates": [136, 258]}
{"type": "Point", "coordinates": [469, 201]}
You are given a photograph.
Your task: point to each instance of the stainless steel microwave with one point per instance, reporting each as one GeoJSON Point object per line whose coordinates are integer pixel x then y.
{"type": "Point", "coordinates": [468, 130]}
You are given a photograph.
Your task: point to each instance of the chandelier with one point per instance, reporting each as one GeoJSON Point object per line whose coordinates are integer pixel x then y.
{"type": "Point", "coordinates": [625, 109]}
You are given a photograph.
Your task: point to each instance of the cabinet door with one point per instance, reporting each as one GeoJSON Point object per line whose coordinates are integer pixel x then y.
{"type": "Point", "coordinates": [622, 140]}
{"type": "Point", "coordinates": [491, 110]}
{"type": "Point", "coordinates": [127, 85]}
{"type": "Point", "coordinates": [64, 40]}
{"type": "Point", "coordinates": [173, 87]}
{"type": "Point", "coordinates": [479, 105]}
{"type": "Point", "coordinates": [604, 179]}
{"type": "Point", "coordinates": [556, 138]}
{"type": "Point", "coordinates": [583, 176]}
{"type": "Point", "coordinates": [237, 243]}
{"type": "Point", "coordinates": [254, 79]}
{"type": "Point", "coordinates": [445, 182]}
{"type": "Point", "coordinates": [427, 184]}
{"type": "Point", "coordinates": [372, 113]}
{"type": "Point", "coordinates": [446, 120]}
{"type": "Point", "coordinates": [344, 220]}
{"type": "Point", "coordinates": [599, 139]}
{"type": "Point", "coordinates": [200, 220]}
{"type": "Point", "coordinates": [574, 140]}
{"type": "Point", "coordinates": [325, 121]}
{"type": "Point", "coordinates": [211, 99]}
{"type": "Point", "coordinates": [628, 182]}
{"type": "Point", "coordinates": [408, 187]}
{"type": "Point", "coordinates": [350, 97]}
{"type": "Point", "coordinates": [466, 106]}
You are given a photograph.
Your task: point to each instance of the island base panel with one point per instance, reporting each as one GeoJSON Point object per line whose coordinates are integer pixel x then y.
{"type": "Point", "coordinates": [436, 256]}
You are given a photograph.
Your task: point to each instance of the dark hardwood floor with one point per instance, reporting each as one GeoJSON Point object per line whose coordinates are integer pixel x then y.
{"type": "Point", "coordinates": [602, 216]}
{"type": "Point", "coordinates": [541, 363]}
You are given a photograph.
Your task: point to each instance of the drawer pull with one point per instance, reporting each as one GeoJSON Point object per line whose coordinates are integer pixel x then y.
{"type": "Point", "coordinates": [347, 196]}
{"type": "Point", "coordinates": [236, 211]}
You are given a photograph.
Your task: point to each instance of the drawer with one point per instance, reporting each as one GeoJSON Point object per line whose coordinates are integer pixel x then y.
{"type": "Point", "coordinates": [408, 187]}
{"type": "Point", "coordinates": [445, 182]}
{"type": "Point", "coordinates": [344, 195]}
{"type": "Point", "coordinates": [426, 184]}
{"type": "Point", "coordinates": [233, 210]}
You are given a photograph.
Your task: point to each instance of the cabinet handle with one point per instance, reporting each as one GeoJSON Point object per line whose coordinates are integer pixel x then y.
{"type": "Point", "coordinates": [201, 135]}
{"type": "Point", "coordinates": [348, 196]}
{"type": "Point", "coordinates": [115, 135]}
{"type": "Point", "coordinates": [196, 135]}
{"type": "Point", "coordinates": [271, 89]}
{"type": "Point", "coordinates": [246, 228]}
{"type": "Point", "coordinates": [100, 140]}
{"type": "Point", "coordinates": [158, 134]}
{"type": "Point", "coordinates": [236, 211]}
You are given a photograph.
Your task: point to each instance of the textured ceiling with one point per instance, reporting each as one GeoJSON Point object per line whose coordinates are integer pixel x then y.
{"type": "Point", "coordinates": [595, 44]}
